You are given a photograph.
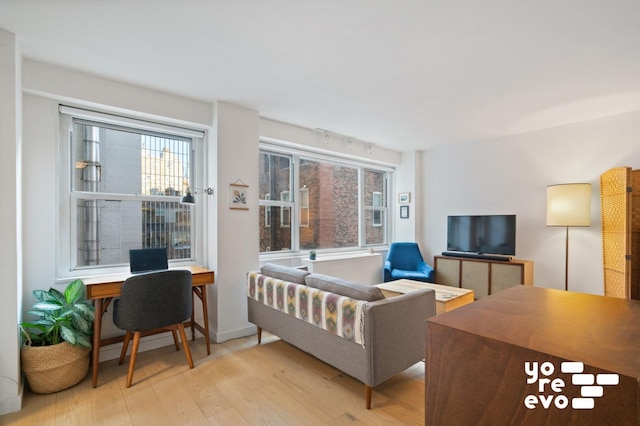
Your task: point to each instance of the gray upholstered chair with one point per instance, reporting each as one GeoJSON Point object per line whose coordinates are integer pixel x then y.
{"type": "Point", "coordinates": [152, 302]}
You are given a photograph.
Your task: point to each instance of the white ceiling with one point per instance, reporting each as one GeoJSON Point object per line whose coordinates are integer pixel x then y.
{"type": "Point", "coordinates": [405, 74]}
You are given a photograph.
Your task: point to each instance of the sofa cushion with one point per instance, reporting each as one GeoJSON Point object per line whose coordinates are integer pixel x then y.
{"type": "Point", "coordinates": [342, 287]}
{"type": "Point", "coordinates": [285, 273]}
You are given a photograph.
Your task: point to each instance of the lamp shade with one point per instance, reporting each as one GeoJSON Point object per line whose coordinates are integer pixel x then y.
{"type": "Point", "coordinates": [188, 198]}
{"type": "Point", "coordinates": [569, 204]}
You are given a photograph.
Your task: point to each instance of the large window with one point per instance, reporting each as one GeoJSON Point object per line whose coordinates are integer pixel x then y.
{"type": "Point", "coordinates": [322, 202]}
{"type": "Point", "coordinates": [125, 181]}
{"type": "Point", "coordinates": [275, 202]}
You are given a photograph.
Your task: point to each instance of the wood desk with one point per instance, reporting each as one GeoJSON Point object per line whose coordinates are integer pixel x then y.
{"type": "Point", "coordinates": [476, 359]}
{"type": "Point", "coordinates": [103, 289]}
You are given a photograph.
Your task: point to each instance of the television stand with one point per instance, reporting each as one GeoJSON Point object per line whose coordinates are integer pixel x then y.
{"type": "Point", "coordinates": [496, 257]}
{"type": "Point", "coordinates": [482, 275]}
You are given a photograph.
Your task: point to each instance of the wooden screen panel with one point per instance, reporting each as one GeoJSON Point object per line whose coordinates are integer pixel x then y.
{"type": "Point", "coordinates": [475, 276]}
{"type": "Point", "coordinates": [635, 235]}
{"type": "Point", "coordinates": [447, 271]}
{"type": "Point", "coordinates": [616, 223]}
{"type": "Point", "coordinates": [505, 275]}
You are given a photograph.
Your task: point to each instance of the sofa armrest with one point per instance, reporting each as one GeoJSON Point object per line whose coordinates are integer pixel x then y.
{"type": "Point", "coordinates": [395, 330]}
{"type": "Point", "coordinates": [427, 270]}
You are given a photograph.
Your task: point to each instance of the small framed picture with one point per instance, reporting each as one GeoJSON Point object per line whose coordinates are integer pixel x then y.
{"type": "Point", "coordinates": [238, 196]}
{"type": "Point", "coordinates": [404, 198]}
{"type": "Point", "coordinates": [404, 212]}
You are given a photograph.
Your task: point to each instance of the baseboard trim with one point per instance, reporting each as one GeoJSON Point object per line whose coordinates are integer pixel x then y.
{"type": "Point", "coordinates": [156, 341]}
{"type": "Point", "coordinates": [14, 403]}
{"type": "Point", "coordinates": [146, 344]}
{"type": "Point", "coordinates": [249, 330]}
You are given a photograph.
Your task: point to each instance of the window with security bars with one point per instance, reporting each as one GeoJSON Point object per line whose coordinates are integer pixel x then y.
{"type": "Point", "coordinates": [126, 185]}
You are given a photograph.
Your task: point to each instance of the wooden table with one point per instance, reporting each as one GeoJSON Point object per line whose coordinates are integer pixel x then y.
{"type": "Point", "coordinates": [103, 289]}
{"type": "Point", "coordinates": [476, 360]}
{"type": "Point", "coordinates": [447, 297]}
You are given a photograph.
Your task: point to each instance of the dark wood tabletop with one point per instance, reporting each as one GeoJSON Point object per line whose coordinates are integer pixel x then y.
{"type": "Point", "coordinates": [477, 355]}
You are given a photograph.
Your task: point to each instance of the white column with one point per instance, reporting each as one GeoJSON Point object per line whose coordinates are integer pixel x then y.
{"type": "Point", "coordinates": [407, 179]}
{"type": "Point", "coordinates": [233, 247]}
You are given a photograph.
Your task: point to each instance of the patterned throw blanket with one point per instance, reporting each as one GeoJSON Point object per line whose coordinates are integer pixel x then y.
{"type": "Point", "coordinates": [337, 314]}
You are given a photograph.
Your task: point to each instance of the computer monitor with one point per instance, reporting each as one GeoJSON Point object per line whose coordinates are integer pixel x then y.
{"type": "Point", "coordinates": [147, 260]}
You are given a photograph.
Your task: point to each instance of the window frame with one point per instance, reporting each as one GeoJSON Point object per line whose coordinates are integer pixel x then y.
{"type": "Point", "coordinates": [267, 212]}
{"type": "Point", "coordinates": [296, 154]}
{"type": "Point", "coordinates": [285, 211]}
{"type": "Point", "coordinates": [304, 207]}
{"type": "Point", "coordinates": [67, 196]}
{"type": "Point", "coordinates": [376, 210]}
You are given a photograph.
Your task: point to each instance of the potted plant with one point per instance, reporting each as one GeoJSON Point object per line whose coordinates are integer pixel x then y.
{"type": "Point", "coordinates": [55, 355]}
{"type": "Point", "coordinates": [312, 255]}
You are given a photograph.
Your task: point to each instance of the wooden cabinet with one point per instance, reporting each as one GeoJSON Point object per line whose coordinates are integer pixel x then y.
{"type": "Point", "coordinates": [483, 276]}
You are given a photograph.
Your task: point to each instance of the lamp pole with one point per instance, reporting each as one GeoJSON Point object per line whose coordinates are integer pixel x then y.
{"type": "Point", "coordinates": [566, 261]}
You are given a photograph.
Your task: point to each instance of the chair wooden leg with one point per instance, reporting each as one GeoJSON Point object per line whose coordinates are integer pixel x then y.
{"type": "Point", "coordinates": [259, 335]}
{"type": "Point", "coordinates": [175, 339]}
{"type": "Point", "coordinates": [185, 344]}
{"type": "Point", "coordinates": [132, 360]}
{"type": "Point", "coordinates": [367, 395]}
{"type": "Point", "coordinates": [125, 346]}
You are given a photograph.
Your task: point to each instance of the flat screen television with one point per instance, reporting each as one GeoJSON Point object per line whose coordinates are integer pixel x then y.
{"type": "Point", "coordinates": [488, 234]}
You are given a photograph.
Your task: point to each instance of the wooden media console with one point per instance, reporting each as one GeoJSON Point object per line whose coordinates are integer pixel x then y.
{"type": "Point", "coordinates": [483, 276]}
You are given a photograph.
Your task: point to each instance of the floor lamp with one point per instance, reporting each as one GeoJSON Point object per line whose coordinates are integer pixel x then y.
{"type": "Point", "coordinates": [568, 205]}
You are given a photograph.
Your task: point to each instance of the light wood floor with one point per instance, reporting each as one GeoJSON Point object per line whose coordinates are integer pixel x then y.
{"type": "Point", "coordinates": [240, 383]}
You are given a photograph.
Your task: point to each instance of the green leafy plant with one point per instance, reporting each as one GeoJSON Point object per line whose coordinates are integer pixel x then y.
{"type": "Point", "coordinates": [61, 317]}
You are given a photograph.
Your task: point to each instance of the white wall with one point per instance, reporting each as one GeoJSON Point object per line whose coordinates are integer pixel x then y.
{"type": "Point", "coordinates": [336, 144]}
{"type": "Point", "coordinates": [11, 219]}
{"type": "Point", "coordinates": [510, 175]}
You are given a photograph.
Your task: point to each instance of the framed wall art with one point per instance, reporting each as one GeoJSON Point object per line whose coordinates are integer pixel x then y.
{"type": "Point", "coordinates": [404, 212]}
{"type": "Point", "coordinates": [404, 198]}
{"type": "Point", "coordinates": [238, 196]}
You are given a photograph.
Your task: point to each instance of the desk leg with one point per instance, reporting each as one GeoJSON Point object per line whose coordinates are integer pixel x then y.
{"type": "Point", "coordinates": [193, 313]}
{"type": "Point", "coordinates": [201, 292]}
{"type": "Point", "coordinates": [205, 317]}
{"type": "Point", "coordinates": [97, 329]}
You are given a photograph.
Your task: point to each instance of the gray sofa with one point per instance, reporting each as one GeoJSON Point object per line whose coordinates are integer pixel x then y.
{"type": "Point", "coordinates": [348, 325]}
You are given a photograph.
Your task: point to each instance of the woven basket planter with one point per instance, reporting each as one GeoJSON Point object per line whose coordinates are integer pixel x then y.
{"type": "Point", "coordinates": [53, 368]}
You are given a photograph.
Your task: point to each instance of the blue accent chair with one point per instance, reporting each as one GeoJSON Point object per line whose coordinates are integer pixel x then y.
{"type": "Point", "coordinates": [404, 261]}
